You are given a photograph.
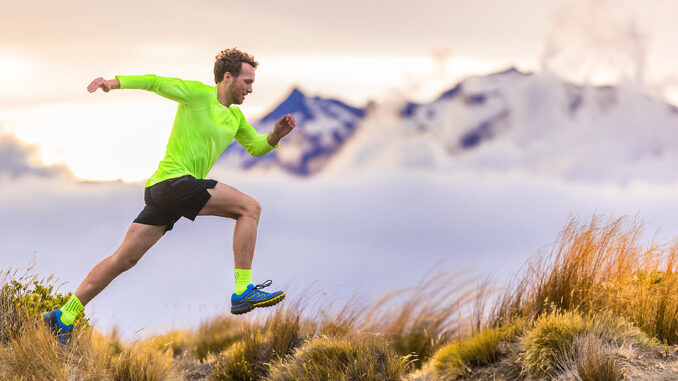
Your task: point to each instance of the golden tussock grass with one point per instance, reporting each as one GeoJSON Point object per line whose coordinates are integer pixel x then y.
{"type": "Point", "coordinates": [566, 312]}
{"type": "Point", "coordinates": [419, 320]}
{"type": "Point", "coordinates": [483, 348]}
{"type": "Point", "coordinates": [29, 351]}
{"type": "Point", "coordinates": [176, 342]}
{"type": "Point", "coordinates": [598, 267]}
{"type": "Point", "coordinates": [214, 336]}
{"type": "Point", "coordinates": [590, 358]}
{"type": "Point", "coordinates": [264, 339]}
{"type": "Point", "coordinates": [34, 354]}
{"type": "Point", "coordinates": [351, 357]}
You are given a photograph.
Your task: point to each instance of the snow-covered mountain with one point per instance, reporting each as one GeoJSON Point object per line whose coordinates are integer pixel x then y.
{"type": "Point", "coordinates": [506, 121]}
{"type": "Point", "coordinates": [323, 125]}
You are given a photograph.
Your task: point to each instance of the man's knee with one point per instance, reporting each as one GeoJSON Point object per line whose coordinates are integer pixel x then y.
{"type": "Point", "coordinates": [252, 208]}
{"type": "Point", "coordinates": [125, 262]}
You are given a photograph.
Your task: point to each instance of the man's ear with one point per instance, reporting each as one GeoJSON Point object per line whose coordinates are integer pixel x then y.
{"type": "Point", "coordinates": [227, 76]}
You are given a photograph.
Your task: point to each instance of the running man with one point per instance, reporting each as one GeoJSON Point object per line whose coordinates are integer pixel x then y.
{"type": "Point", "coordinates": [206, 122]}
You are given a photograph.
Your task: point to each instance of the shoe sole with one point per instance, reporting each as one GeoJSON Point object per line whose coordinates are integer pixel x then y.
{"type": "Point", "coordinates": [268, 303]}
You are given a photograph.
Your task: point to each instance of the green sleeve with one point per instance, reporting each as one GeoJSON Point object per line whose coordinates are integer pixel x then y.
{"type": "Point", "coordinates": [178, 90]}
{"type": "Point", "coordinates": [255, 143]}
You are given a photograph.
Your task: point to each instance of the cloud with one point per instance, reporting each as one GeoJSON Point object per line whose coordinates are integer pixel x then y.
{"type": "Point", "coordinates": [116, 135]}
{"type": "Point", "coordinates": [274, 26]}
{"type": "Point", "coordinates": [18, 159]}
{"type": "Point", "coordinates": [596, 41]}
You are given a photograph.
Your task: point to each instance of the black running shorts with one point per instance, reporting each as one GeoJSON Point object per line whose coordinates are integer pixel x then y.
{"type": "Point", "coordinates": [169, 200]}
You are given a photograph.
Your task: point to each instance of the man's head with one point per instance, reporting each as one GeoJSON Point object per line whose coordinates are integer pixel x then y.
{"type": "Point", "coordinates": [234, 74]}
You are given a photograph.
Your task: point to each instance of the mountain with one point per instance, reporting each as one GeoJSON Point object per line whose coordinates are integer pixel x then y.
{"type": "Point", "coordinates": [533, 123]}
{"type": "Point", "coordinates": [505, 121]}
{"type": "Point", "coordinates": [483, 124]}
{"type": "Point", "coordinates": [323, 125]}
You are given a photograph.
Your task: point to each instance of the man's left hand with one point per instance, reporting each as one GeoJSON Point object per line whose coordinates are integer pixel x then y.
{"type": "Point", "coordinates": [283, 126]}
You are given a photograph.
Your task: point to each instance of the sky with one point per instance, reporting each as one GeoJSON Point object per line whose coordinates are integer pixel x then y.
{"type": "Point", "coordinates": [62, 149]}
{"type": "Point", "coordinates": [351, 50]}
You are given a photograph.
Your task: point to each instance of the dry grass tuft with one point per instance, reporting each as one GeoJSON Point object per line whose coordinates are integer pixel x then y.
{"type": "Point", "coordinates": [261, 343]}
{"type": "Point", "coordinates": [353, 357]}
{"type": "Point", "coordinates": [285, 329]}
{"type": "Point", "coordinates": [140, 362]}
{"type": "Point", "coordinates": [10, 316]}
{"type": "Point", "coordinates": [99, 357]}
{"type": "Point", "coordinates": [591, 358]}
{"type": "Point", "coordinates": [551, 337]}
{"type": "Point", "coordinates": [600, 267]}
{"type": "Point", "coordinates": [456, 358]}
{"type": "Point", "coordinates": [427, 372]}
{"type": "Point", "coordinates": [618, 331]}
{"type": "Point", "coordinates": [215, 335]}
{"type": "Point", "coordinates": [562, 340]}
{"type": "Point", "coordinates": [29, 351]}
{"type": "Point", "coordinates": [348, 319]}
{"type": "Point", "coordinates": [420, 326]}
{"type": "Point", "coordinates": [247, 359]}
{"type": "Point", "coordinates": [176, 342]}
{"type": "Point", "coordinates": [32, 353]}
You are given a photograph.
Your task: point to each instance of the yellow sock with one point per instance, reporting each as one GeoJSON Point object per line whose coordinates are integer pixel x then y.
{"type": "Point", "coordinates": [70, 310]}
{"type": "Point", "coordinates": [243, 277]}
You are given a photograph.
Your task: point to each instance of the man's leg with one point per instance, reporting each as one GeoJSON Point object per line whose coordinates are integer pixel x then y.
{"type": "Point", "coordinates": [229, 202]}
{"type": "Point", "coordinates": [226, 201]}
{"type": "Point", "coordinates": [138, 240]}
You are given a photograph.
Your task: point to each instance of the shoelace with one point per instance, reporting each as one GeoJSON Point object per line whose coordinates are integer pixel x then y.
{"type": "Point", "coordinates": [64, 335]}
{"type": "Point", "coordinates": [262, 286]}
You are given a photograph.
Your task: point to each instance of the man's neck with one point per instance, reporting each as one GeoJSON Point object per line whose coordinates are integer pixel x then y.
{"type": "Point", "coordinates": [222, 96]}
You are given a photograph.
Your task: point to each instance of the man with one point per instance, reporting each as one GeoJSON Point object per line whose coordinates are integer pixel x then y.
{"type": "Point", "coordinates": [205, 124]}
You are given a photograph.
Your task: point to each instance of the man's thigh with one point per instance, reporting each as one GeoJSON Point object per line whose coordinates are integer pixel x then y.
{"type": "Point", "coordinates": [226, 201]}
{"type": "Point", "coordinates": [139, 238]}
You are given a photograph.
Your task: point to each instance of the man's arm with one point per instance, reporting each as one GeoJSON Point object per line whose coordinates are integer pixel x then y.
{"type": "Point", "coordinates": [190, 93]}
{"type": "Point", "coordinates": [259, 144]}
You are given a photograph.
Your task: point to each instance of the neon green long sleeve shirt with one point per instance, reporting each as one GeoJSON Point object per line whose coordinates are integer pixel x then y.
{"type": "Point", "coordinates": [202, 130]}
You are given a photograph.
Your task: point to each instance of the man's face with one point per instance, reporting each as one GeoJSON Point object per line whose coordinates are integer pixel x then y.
{"type": "Point", "coordinates": [241, 85]}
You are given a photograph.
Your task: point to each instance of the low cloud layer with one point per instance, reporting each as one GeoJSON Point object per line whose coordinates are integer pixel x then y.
{"type": "Point", "coordinates": [340, 235]}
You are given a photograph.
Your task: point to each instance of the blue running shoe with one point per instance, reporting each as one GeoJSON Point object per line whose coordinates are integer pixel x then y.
{"type": "Point", "coordinates": [60, 330]}
{"type": "Point", "coordinates": [253, 298]}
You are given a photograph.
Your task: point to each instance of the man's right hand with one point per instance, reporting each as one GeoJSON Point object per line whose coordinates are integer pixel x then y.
{"type": "Point", "coordinates": [105, 85]}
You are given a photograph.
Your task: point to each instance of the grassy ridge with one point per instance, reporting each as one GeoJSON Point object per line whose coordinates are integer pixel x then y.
{"type": "Point", "coordinates": [569, 314]}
